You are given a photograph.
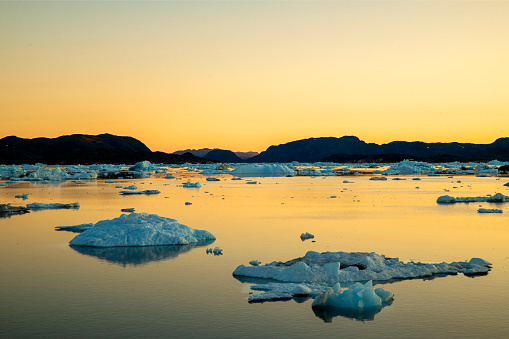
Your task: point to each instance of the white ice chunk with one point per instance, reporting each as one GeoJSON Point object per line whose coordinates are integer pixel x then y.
{"type": "Point", "coordinates": [263, 169]}
{"type": "Point", "coordinates": [139, 229]}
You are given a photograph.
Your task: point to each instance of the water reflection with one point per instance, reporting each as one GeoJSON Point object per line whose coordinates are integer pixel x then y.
{"type": "Point", "coordinates": [327, 313]}
{"type": "Point", "coordinates": [138, 255]}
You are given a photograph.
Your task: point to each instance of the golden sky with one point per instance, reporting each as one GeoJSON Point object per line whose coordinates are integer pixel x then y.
{"type": "Point", "coordinates": [245, 75]}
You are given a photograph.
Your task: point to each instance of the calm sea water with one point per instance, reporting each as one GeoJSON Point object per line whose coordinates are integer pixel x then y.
{"type": "Point", "coordinates": [48, 289]}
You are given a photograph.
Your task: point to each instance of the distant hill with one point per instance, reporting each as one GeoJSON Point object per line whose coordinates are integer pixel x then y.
{"type": "Point", "coordinates": [84, 149]}
{"type": "Point", "coordinates": [204, 151]}
{"type": "Point", "coordinates": [222, 156]}
{"type": "Point", "coordinates": [350, 148]}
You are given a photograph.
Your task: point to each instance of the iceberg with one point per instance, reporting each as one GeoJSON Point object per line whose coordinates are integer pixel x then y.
{"type": "Point", "coordinates": [139, 229]}
{"type": "Point", "coordinates": [487, 210]}
{"type": "Point", "coordinates": [40, 206]}
{"type": "Point", "coordinates": [263, 169]}
{"type": "Point", "coordinates": [306, 235]}
{"type": "Point", "coordinates": [146, 192]}
{"type": "Point", "coordinates": [332, 267]}
{"type": "Point", "coordinates": [446, 199]}
{"type": "Point", "coordinates": [191, 184]}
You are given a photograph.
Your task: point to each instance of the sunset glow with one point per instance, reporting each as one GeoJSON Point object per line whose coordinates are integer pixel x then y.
{"type": "Point", "coordinates": [247, 75]}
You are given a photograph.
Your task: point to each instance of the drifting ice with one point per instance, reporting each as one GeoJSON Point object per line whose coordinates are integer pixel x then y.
{"type": "Point", "coordinates": [446, 199]}
{"type": "Point", "coordinates": [358, 296]}
{"type": "Point", "coordinates": [487, 210]}
{"type": "Point", "coordinates": [40, 206]}
{"type": "Point", "coordinates": [332, 267]}
{"type": "Point", "coordinates": [306, 235]}
{"type": "Point", "coordinates": [139, 229]}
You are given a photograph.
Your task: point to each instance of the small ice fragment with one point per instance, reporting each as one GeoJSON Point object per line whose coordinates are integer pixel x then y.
{"type": "Point", "coordinates": [254, 262]}
{"type": "Point", "coordinates": [187, 203]}
{"type": "Point", "coordinates": [487, 210]}
{"type": "Point", "coordinates": [306, 235]}
{"type": "Point", "coordinates": [212, 179]}
{"type": "Point", "coordinates": [23, 196]}
{"type": "Point", "coordinates": [191, 184]}
{"type": "Point", "coordinates": [378, 178]}
{"type": "Point", "coordinates": [217, 251]}
{"type": "Point", "coordinates": [129, 210]}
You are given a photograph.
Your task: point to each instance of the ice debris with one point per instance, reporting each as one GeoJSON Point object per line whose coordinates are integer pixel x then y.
{"type": "Point", "coordinates": [212, 179]}
{"type": "Point", "coordinates": [146, 192]}
{"type": "Point", "coordinates": [23, 196]}
{"type": "Point", "coordinates": [191, 184]}
{"type": "Point", "coordinates": [378, 178]}
{"type": "Point", "coordinates": [263, 169]}
{"type": "Point", "coordinates": [6, 210]}
{"type": "Point", "coordinates": [446, 199]}
{"type": "Point", "coordinates": [139, 229]}
{"type": "Point", "coordinates": [41, 206]}
{"type": "Point", "coordinates": [254, 263]}
{"type": "Point", "coordinates": [487, 210]}
{"type": "Point", "coordinates": [332, 267]}
{"type": "Point", "coordinates": [128, 210]}
{"type": "Point", "coordinates": [306, 235]}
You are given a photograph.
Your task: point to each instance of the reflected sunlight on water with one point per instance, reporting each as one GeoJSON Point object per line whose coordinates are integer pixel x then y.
{"type": "Point", "coordinates": [50, 289]}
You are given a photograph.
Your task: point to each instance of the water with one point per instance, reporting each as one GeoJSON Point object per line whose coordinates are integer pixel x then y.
{"type": "Point", "coordinates": [48, 289]}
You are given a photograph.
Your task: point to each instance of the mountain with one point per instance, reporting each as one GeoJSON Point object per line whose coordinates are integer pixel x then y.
{"type": "Point", "coordinates": [351, 148]}
{"type": "Point", "coordinates": [314, 149]}
{"type": "Point", "coordinates": [84, 149]}
{"type": "Point", "coordinates": [222, 156]}
{"type": "Point", "coordinates": [204, 151]}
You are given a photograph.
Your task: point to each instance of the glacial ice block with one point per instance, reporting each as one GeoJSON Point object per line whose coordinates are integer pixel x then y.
{"type": "Point", "coordinates": [317, 267]}
{"type": "Point", "coordinates": [139, 229]}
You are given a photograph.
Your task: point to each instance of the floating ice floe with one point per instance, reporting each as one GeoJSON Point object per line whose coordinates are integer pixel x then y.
{"type": "Point", "coordinates": [212, 179]}
{"type": "Point", "coordinates": [254, 263]}
{"type": "Point", "coordinates": [41, 206]}
{"type": "Point", "coordinates": [23, 196]}
{"type": "Point", "coordinates": [252, 182]}
{"type": "Point", "coordinates": [506, 184]}
{"type": "Point", "coordinates": [128, 210]}
{"type": "Point", "coordinates": [446, 199]}
{"type": "Point", "coordinates": [139, 229]}
{"type": "Point", "coordinates": [216, 251]}
{"type": "Point", "coordinates": [332, 267]}
{"type": "Point", "coordinates": [146, 192]}
{"type": "Point", "coordinates": [131, 187]}
{"type": "Point", "coordinates": [6, 210]}
{"type": "Point", "coordinates": [76, 228]}
{"type": "Point", "coordinates": [487, 210]}
{"type": "Point", "coordinates": [263, 169]}
{"type": "Point", "coordinates": [347, 182]}
{"type": "Point", "coordinates": [378, 178]}
{"type": "Point", "coordinates": [191, 184]}
{"type": "Point", "coordinates": [306, 235]}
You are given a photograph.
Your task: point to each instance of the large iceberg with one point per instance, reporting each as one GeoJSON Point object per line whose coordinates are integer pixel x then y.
{"type": "Point", "coordinates": [263, 169]}
{"type": "Point", "coordinates": [139, 229]}
{"type": "Point", "coordinates": [332, 267]}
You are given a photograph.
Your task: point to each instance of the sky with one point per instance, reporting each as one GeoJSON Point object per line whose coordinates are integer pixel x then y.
{"type": "Point", "coordinates": [244, 75]}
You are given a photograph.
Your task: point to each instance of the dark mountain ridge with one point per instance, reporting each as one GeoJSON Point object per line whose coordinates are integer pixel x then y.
{"type": "Point", "coordinates": [84, 149]}
{"type": "Point", "coordinates": [351, 148]}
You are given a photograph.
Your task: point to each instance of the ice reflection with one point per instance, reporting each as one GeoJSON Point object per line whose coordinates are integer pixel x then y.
{"type": "Point", "coordinates": [327, 313]}
{"type": "Point", "coordinates": [138, 255]}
